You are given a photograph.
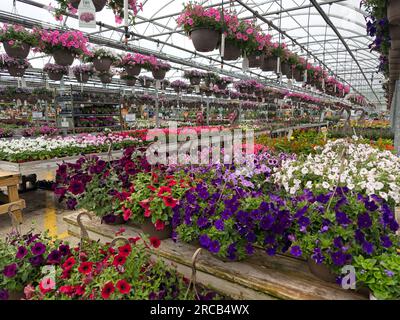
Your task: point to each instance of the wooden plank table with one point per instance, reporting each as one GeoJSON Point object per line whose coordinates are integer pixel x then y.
{"type": "Point", "coordinates": [10, 180]}
{"type": "Point", "coordinates": [259, 277]}
{"type": "Point", "coordinates": [35, 167]}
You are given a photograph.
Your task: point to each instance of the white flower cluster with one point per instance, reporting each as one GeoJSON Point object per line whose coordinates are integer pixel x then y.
{"type": "Point", "coordinates": [360, 167]}
{"type": "Point", "coordinates": [16, 146]}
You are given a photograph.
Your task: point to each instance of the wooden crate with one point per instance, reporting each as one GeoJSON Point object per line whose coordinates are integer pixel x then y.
{"type": "Point", "coordinates": [10, 180]}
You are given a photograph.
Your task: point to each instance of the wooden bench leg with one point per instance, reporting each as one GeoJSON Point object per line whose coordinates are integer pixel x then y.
{"type": "Point", "coordinates": [13, 196]}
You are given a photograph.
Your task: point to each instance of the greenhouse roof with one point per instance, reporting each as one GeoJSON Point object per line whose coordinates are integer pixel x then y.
{"type": "Point", "coordinates": [330, 33]}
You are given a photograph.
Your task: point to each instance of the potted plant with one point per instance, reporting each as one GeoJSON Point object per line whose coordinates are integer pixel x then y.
{"type": "Point", "coordinates": [380, 274]}
{"type": "Point", "coordinates": [133, 63]}
{"type": "Point", "coordinates": [102, 59]}
{"type": "Point", "coordinates": [17, 41]}
{"type": "Point", "coordinates": [83, 72]}
{"type": "Point", "coordinates": [146, 81]}
{"type": "Point", "coordinates": [223, 82]}
{"type": "Point", "coordinates": [130, 80]}
{"type": "Point", "coordinates": [117, 6]}
{"type": "Point", "coordinates": [16, 67]}
{"type": "Point", "coordinates": [63, 45]}
{"type": "Point", "coordinates": [194, 76]}
{"type": "Point", "coordinates": [54, 71]}
{"type": "Point", "coordinates": [274, 52]}
{"type": "Point", "coordinates": [179, 85]}
{"type": "Point", "coordinates": [105, 76]}
{"type": "Point", "coordinates": [159, 69]}
{"type": "Point", "coordinates": [202, 25]}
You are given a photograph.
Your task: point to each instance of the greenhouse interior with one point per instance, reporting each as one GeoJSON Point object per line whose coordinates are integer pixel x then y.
{"type": "Point", "coordinates": [199, 150]}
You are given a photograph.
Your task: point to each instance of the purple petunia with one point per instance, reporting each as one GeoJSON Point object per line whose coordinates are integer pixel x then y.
{"type": "Point", "coordinates": [36, 260]}
{"type": "Point", "coordinates": [368, 247]}
{"type": "Point", "coordinates": [342, 218]}
{"type": "Point", "coordinates": [71, 203]}
{"type": "Point", "coordinates": [386, 242]}
{"type": "Point", "coordinates": [214, 246]}
{"type": "Point", "coordinates": [204, 241]}
{"type": "Point", "coordinates": [202, 222]}
{"type": "Point", "coordinates": [38, 248]}
{"type": "Point", "coordinates": [64, 250]}
{"type": "Point", "coordinates": [317, 256]}
{"type": "Point", "coordinates": [54, 257]}
{"type": "Point", "coordinates": [219, 224]}
{"type": "Point", "coordinates": [10, 270]}
{"type": "Point", "coordinates": [364, 221]}
{"type": "Point", "coordinates": [21, 252]}
{"type": "Point", "coordinates": [4, 294]}
{"type": "Point", "coordinates": [249, 248]}
{"type": "Point", "coordinates": [296, 251]}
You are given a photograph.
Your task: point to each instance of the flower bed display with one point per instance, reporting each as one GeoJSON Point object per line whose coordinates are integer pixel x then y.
{"type": "Point", "coordinates": [31, 149]}
{"type": "Point", "coordinates": [333, 207]}
{"type": "Point", "coordinates": [91, 271]}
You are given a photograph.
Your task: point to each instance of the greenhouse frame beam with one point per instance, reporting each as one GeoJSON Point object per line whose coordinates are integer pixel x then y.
{"type": "Point", "coordinates": [333, 27]}
{"type": "Point", "coordinates": [30, 23]}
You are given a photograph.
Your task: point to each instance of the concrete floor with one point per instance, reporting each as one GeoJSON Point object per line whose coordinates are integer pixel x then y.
{"type": "Point", "coordinates": [42, 212]}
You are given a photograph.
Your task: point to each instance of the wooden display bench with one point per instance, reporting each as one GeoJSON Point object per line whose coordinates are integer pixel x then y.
{"type": "Point", "coordinates": [259, 277]}
{"type": "Point", "coordinates": [29, 170]}
{"type": "Point", "coordinates": [10, 180]}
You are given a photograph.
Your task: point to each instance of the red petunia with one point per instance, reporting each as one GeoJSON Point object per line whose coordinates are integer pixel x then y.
{"type": "Point", "coordinates": [123, 286]}
{"type": "Point", "coordinates": [125, 250]}
{"type": "Point", "coordinates": [107, 290]}
{"type": "Point", "coordinates": [155, 242]}
{"type": "Point", "coordinates": [171, 183]}
{"type": "Point", "coordinates": [145, 204]}
{"type": "Point", "coordinates": [85, 267]}
{"type": "Point", "coordinates": [67, 290]}
{"type": "Point", "coordinates": [134, 240]}
{"type": "Point", "coordinates": [164, 190]}
{"type": "Point", "coordinates": [152, 188]}
{"type": "Point", "coordinates": [147, 213]}
{"type": "Point", "coordinates": [119, 260]}
{"type": "Point", "coordinates": [47, 285]}
{"type": "Point", "coordinates": [159, 225]}
{"type": "Point", "coordinates": [170, 202]}
{"type": "Point", "coordinates": [127, 213]}
{"type": "Point", "coordinates": [79, 290]}
{"type": "Point", "coordinates": [69, 263]}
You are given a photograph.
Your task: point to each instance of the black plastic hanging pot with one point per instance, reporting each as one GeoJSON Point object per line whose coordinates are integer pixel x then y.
{"type": "Point", "coordinates": [63, 57]}
{"type": "Point", "coordinates": [204, 39]}
{"type": "Point", "coordinates": [19, 52]}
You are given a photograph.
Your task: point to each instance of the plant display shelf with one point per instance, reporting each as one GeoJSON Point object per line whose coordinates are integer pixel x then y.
{"type": "Point", "coordinates": [10, 180]}
{"type": "Point", "coordinates": [33, 168]}
{"type": "Point", "coordinates": [260, 277]}
{"type": "Point", "coordinates": [68, 117]}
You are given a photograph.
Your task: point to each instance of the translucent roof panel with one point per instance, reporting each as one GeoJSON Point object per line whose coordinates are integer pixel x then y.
{"type": "Point", "coordinates": [156, 31]}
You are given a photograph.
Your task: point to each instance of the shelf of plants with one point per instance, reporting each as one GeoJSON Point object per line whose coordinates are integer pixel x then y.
{"type": "Point", "coordinates": [206, 153]}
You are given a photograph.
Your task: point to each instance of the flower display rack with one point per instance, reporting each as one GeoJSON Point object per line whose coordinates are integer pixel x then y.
{"type": "Point", "coordinates": [11, 201]}
{"type": "Point", "coordinates": [80, 112]}
{"type": "Point", "coordinates": [260, 277]}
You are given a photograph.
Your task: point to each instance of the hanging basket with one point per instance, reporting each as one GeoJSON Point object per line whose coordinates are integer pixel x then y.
{"type": "Point", "coordinates": [286, 69]}
{"type": "Point", "coordinates": [255, 60]}
{"type": "Point", "coordinates": [204, 39]}
{"type": "Point", "coordinates": [131, 82]}
{"type": "Point", "coordinates": [98, 4]}
{"type": "Point", "coordinates": [19, 52]}
{"type": "Point", "coordinates": [63, 57]}
{"type": "Point", "coordinates": [55, 76]}
{"type": "Point", "coordinates": [195, 81]}
{"type": "Point", "coordinates": [231, 53]}
{"type": "Point", "coordinates": [15, 71]}
{"type": "Point", "coordinates": [82, 77]}
{"type": "Point", "coordinates": [103, 64]}
{"type": "Point", "coordinates": [159, 74]}
{"type": "Point", "coordinates": [269, 64]}
{"type": "Point", "coordinates": [148, 228]}
{"type": "Point", "coordinates": [393, 12]}
{"type": "Point", "coordinates": [105, 78]}
{"type": "Point", "coordinates": [133, 71]}
{"type": "Point", "coordinates": [298, 75]}
{"type": "Point", "coordinates": [321, 271]}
